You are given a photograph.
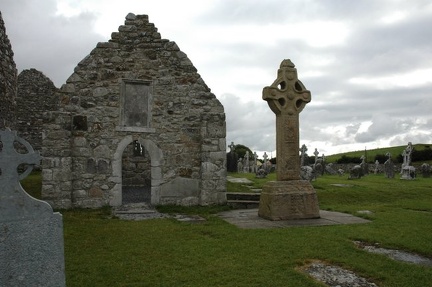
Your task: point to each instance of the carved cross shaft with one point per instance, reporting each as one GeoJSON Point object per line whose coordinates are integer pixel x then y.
{"type": "Point", "coordinates": [287, 97]}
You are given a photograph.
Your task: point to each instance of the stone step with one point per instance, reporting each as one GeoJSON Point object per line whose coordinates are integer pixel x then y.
{"type": "Point", "coordinates": [243, 196]}
{"type": "Point", "coordinates": [243, 199]}
{"type": "Point", "coordinates": [135, 211]}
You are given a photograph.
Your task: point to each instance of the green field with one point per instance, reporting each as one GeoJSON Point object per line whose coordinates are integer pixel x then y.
{"type": "Point", "coordinates": [104, 251]}
{"type": "Point", "coordinates": [371, 153]}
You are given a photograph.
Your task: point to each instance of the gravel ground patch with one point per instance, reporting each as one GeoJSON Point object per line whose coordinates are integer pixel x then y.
{"type": "Point", "coordinates": [395, 254]}
{"type": "Point", "coordinates": [335, 276]}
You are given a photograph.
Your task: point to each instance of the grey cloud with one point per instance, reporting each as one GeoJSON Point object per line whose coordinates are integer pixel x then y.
{"type": "Point", "coordinates": [249, 123]}
{"type": "Point", "coordinates": [352, 129]}
{"type": "Point", "coordinates": [382, 125]}
{"type": "Point", "coordinates": [255, 11]}
{"type": "Point", "coordinates": [49, 43]}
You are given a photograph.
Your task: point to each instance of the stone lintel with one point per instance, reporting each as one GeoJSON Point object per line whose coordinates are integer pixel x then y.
{"type": "Point", "coordinates": [284, 200]}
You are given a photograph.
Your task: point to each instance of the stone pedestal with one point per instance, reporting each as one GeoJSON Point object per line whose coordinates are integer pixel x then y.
{"type": "Point", "coordinates": [284, 200]}
{"type": "Point", "coordinates": [408, 172]}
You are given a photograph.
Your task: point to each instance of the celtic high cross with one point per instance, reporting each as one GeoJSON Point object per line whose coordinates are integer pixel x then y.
{"type": "Point", "coordinates": [31, 235]}
{"type": "Point", "coordinates": [287, 97]}
{"type": "Point", "coordinates": [10, 159]}
{"type": "Point", "coordinates": [14, 201]}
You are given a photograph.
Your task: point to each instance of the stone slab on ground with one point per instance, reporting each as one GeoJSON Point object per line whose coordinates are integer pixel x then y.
{"type": "Point", "coordinates": [395, 254]}
{"type": "Point", "coordinates": [249, 219]}
{"type": "Point", "coordinates": [238, 180]}
{"type": "Point", "coordinates": [335, 276]}
{"type": "Point", "coordinates": [137, 211]}
{"type": "Point", "coordinates": [143, 211]}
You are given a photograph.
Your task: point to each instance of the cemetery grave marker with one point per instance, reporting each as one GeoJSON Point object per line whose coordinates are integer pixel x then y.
{"type": "Point", "coordinates": [288, 197]}
{"type": "Point", "coordinates": [31, 235]}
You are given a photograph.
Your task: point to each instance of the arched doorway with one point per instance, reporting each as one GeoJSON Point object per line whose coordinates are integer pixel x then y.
{"type": "Point", "coordinates": [155, 161]}
{"type": "Point", "coordinates": [136, 174]}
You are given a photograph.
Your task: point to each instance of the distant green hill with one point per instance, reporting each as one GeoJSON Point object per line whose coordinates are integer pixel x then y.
{"type": "Point", "coordinates": [370, 154]}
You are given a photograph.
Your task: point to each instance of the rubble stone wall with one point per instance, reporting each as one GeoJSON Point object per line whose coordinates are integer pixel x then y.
{"type": "Point", "coordinates": [8, 80]}
{"type": "Point", "coordinates": [35, 96]}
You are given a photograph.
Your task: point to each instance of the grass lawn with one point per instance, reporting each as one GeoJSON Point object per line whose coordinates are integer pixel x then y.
{"type": "Point", "coordinates": [101, 251]}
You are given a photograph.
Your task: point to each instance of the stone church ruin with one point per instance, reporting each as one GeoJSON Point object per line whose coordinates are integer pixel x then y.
{"type": "Point", "coordinates": [135, 122]}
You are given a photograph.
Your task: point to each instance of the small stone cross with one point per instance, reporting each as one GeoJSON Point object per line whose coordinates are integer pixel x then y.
{"type": "Point", "coordinates": [287, 97]}
{"type": "Point", "coordinates": [10, 159]}
{"type": "Point", "coordinates": [232, 146]}
{"type": "Point", "coordinates": [316, 153]}
{"type": "Point", "coordinates": [265, 156]}
{"type": "Point", "coordinates": [303, 151]}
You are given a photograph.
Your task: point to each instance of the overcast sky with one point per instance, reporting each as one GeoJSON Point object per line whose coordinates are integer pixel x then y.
{"type": "Point", "coordinates": [367, 63]}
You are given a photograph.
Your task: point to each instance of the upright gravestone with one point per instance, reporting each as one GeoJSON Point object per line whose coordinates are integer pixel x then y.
{"type": "Point", "coordinates": [31, 235]}
{"type": "Point", "coordinates": [426, 170]}
{"type": "Point", "coordinates": [288, 197]}
{"type": "Point", "coordinates": [407, 170]}
{"type": "Point", "coordinates": [232, 159]}
{"type": "Point", "coordinates": [246, 163]}
{"type": "Point", "coordinates": [255, 163]}
{"type": "Point", "coordinates": [389, 167]}
{"type": "Point", "coordinates": [303, 151]}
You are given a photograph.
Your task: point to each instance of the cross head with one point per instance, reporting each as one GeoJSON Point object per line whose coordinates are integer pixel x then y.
{"type": "Point", "coordinates": [10, 159]}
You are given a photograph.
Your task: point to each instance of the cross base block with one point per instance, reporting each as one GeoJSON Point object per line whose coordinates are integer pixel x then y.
{"type": "Point", "coordinates": [285, 200]}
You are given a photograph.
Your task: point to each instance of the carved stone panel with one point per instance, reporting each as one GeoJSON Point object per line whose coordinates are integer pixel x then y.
{"type": "Point", "coordinates": [136, 104]}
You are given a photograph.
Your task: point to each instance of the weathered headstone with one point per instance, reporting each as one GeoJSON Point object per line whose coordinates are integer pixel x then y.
{"type": "Point", "coordinates": [255, 162]}
{"type": "Point", "coordinates": [232, 159]}
{"type": "Point", "coordinates": [426, 170]}
{"type": "Point", "coordinates": [240, 165]}
{"type": "Point", "coordinates": [288, 197]}
{"type": "Point", "coordinates": [319, 165]}
{"type": "Point", "coordinates": [31, 235]}
{"type": "Point", "coordinates": [316, 153]}
{"type": "Point", "coordinates": [265, 156]}
{"type": "Point", "coordinates": [246, 163]}
{"type": "Point", "coordinates": [407, 170]}
{"type": "Point", "coordinates": [376, 170]}
{"type": "Point", "coordinates": [364, 165]}
{"type": "Point", "coordinates": [329, 169]}
{"type": "Point", "coordinates": [303, 151]}
{"type": "Point", "coordinates": [389, 166]}
{"type": "Point", "coordinates": [266, 164]}
{"type": "Point", "coordinates": [356, 172]}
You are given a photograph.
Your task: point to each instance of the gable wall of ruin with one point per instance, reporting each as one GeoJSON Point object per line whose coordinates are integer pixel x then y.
{"type": "Point", "coordinates": [178, 119]}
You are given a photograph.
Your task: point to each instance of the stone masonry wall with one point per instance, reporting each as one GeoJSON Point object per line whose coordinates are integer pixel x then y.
{"type": "Point", "coordinates": [8, 80]}
{"type": "Point", "coordinates": [35, 97]}
{"type": "Point", "coordinates": [183, 129]}
{"type": "Point", "coordinates": [135, 167]}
